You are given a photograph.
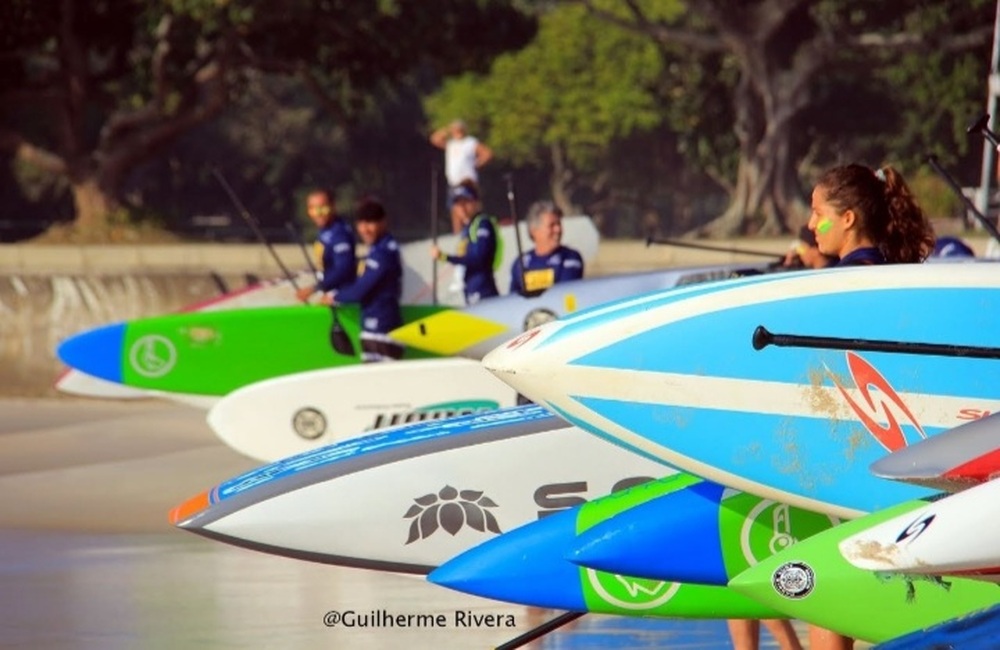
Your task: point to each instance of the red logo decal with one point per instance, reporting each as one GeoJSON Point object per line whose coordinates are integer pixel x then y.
{"type": "Point", "coordinates": [522, 339]}
{"type": "Point", "coordinates": [866, 376]}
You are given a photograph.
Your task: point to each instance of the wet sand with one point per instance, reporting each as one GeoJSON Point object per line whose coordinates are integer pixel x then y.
{"type": "Point", "coordinates": [89, 560]}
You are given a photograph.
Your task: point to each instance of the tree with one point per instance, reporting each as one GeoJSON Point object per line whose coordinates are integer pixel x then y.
{"type": "Point", "coordinates": [783, 49]}
{"type": "Point", "coordinates": [562, 101]}
{"type": "Point", "coordinates": [91, 89]}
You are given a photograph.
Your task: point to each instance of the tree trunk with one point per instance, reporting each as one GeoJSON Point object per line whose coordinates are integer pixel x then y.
{"type": "Point", "coordinates": [94, 208]}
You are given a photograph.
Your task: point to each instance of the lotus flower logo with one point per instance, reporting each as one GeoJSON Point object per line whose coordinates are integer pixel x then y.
{"type": "Point", "coordinates": [451, 510]}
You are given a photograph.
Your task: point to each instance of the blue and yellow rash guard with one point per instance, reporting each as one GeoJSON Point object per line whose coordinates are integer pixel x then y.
{"type": "Point", "coordinates": [335, 250]}
{"type": "Point", "coordinates": [379, 287]}
{"type": "Point", "coordinates": [542, 271]}
{"type": "Point", "coordinates": [479, 250]}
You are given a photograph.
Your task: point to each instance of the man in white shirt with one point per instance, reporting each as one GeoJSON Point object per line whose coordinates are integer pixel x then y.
{"type": "Point", "coordinates": [463, 156]}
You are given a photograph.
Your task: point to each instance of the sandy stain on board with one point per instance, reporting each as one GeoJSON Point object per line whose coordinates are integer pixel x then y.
{"type": "Point", "coordinates": [875, 551]}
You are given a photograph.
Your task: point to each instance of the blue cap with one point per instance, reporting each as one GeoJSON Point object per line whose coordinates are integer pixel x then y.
{"type": "Point", "coordinates": [464, 193]}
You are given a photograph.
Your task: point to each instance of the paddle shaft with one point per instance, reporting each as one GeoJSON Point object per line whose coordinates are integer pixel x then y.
{"type": "Point", "coordinates": [511, 201]}
{"type": "Point", "coordinates": [707, 247]}
{"type": "Point", "coordinates": [434, 232]}
{"type": "Point", "coordinates": [969, 205]}
{"type": "Point", "coordinates": [762, 338]}
{"type": "Point", "coordinates": [302, 246]}
{"type": "Point", "coordinates": [254, 225]}
{"type": "Point", "coordinates": [540, 631]}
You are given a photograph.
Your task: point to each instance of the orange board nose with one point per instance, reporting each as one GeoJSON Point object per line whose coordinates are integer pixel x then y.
{"type": "Point", "coordinates": [189, 508]}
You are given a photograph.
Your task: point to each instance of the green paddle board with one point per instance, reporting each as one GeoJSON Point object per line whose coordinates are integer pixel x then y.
{"type": "Point", "coordinates": [812, 581]}
{"type": "Point", "coordinates": [213, 353]}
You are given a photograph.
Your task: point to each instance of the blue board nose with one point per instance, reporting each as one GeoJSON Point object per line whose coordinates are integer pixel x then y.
{"type": "Point", "coordinates": [674, 537]}
{"type": "Point", "coordinates": [97, 352]}
{"type": "Point", "coordinates": [523, 566]}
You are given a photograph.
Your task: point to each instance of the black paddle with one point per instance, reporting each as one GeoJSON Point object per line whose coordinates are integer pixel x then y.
{"type": "Point", "coordinates": [338, 337]}
{"type": "Point", "coordinates": [540, 631]}
{"type": "Point", "coordinates": [763, 338]}
{"type": "Point", "coordinates": [707, 247]}
{"type": "Point", "coordinates": [340, 341]}
{"type": "Point", "coordinates": [512, 205]}
{"type": "Point", "coordinates": [932, 160]}
{"type": "Point", "coordinates": [434, 233]}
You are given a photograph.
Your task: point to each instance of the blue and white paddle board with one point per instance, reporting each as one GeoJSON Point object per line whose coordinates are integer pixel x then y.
{"type": "Point", "coordinates": [675, 376]}
{"type": "Point", "coordinates": [409, 498]}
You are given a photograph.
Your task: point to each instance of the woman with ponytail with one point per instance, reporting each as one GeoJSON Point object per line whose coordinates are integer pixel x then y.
{"type": "Point", "coordinates": [867, 216]}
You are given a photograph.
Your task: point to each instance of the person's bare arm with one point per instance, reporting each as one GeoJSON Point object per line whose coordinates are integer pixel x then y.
{"type": "Point", "coordinates": [440, 137]}
{"type": "Point", "coordinates": [483, 154]}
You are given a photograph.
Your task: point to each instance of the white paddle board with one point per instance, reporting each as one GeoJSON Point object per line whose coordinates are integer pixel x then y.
{"type": "Point", "coordinates": [410, 498]}
{"type": "Point", "coordinates": [288, 415]}
{"type": "Point", "coordinates": [958, 536]}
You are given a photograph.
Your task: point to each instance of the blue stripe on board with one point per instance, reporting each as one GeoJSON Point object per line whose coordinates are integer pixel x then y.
{"type": "Point", "coordinates": [378, 442]}
{"type": "Point", "coordinates": [813, 458]}
{"type": "Point", "coordinates": [590, 317]}
{"type": "Point", "coordinates": [719, 344]}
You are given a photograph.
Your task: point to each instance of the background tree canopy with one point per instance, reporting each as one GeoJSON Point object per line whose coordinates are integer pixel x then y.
{"type": "Point", "coordinates": [652, 115]}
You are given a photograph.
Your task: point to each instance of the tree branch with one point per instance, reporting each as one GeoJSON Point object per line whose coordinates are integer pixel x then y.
{"type": "Point", "coordinates": [33, 155]}
{"type": "Point", "coordinates": [658, 30]}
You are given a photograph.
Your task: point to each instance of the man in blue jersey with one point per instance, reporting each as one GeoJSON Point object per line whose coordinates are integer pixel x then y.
{"type": "Point", "coordinates": [334, 243]}
{"type": "Point", "coordinates": [550, 262]}
{"type": "Point", "coordinates": [379, 287]}
{"type": "Point", "coordinates": [479, 245]}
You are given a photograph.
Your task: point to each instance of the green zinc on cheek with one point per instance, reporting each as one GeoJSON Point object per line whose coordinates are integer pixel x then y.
{"type": "Point", "coordinates": [824, 225]}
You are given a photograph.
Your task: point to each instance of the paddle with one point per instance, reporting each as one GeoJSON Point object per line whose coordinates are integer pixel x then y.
{"type": "Point", "coordinates": [517, 234]}
{"type": "Point", "coordinates": [932, 160]}
{"type": "Point", "coordinates": [706, 247]}
{"type": "Point", "coordinates": [540, 631]}
{"type": "Point", "coordinates": [762, 338]}
{"type": "Point", "coordinates": [254, 225]}
{"type": "Point", "coordinates": [434, 232]}
{"type": "Point", "coordinates": [339, 339]}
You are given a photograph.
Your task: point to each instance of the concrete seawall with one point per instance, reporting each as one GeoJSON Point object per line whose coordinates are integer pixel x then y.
{"type": "Point", "coordinates": [50, 292]}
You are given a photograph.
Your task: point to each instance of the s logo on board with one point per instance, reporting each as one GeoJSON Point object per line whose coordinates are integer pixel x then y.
{"type": "Point", "coordinates": [914, 530]}
{"type": "Point", "coordinates": [866, 377]}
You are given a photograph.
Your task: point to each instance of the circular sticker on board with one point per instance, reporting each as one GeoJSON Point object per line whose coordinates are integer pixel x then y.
{"type": "Point", "coordinates": [153, 355]}
{"type": "Point", "coordinates": [635, 594]}
{"type": "Point", "coordinates": [794, 580]}
{"type": "Point", "coordinates": [309, 423]}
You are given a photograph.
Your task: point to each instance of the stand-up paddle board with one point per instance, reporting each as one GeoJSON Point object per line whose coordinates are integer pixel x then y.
{"type": "Point", "coordinates": [788, 386]}
{"type": "Point", "coordinates": [288, 415]}
{"type": "Point", "coordinates": [957, 535]}
{"type": "Point", "coordinates": [702, 533]}
{"type": "Point", "coordinates": [812, 581]}
{"type": "Point", "coordinates": [213, 353]}
{"type": "Point", "coordinates": [956, 460]}
{"type": "Point", "coordinates": [579, 233]}
{"type": "Point", "coordinates": [409, 498]}
{"type": "Point", "coordinates": [477, 329]}
{"type": "Point", "coordinates": [269, 293]}
{"type": "Point", "coordinates": [528, 566]}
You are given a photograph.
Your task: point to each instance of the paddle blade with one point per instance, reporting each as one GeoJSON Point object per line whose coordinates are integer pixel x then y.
{"type": "Point", "coordinates": [339, 339]}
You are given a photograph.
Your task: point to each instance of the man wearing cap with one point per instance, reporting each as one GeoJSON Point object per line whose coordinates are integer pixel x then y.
{"type": "Point", "coordinates": [463, 156]}
{"type": "Point", "coordinates": [380, 286]}
{"type": "Point", "coordinates": [479, 246]}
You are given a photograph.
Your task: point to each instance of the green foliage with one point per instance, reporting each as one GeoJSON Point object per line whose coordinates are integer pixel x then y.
{"type": "Point", "coordinates": [578, 87]}
{"type": "Point", "coordinates": [934, 194]}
